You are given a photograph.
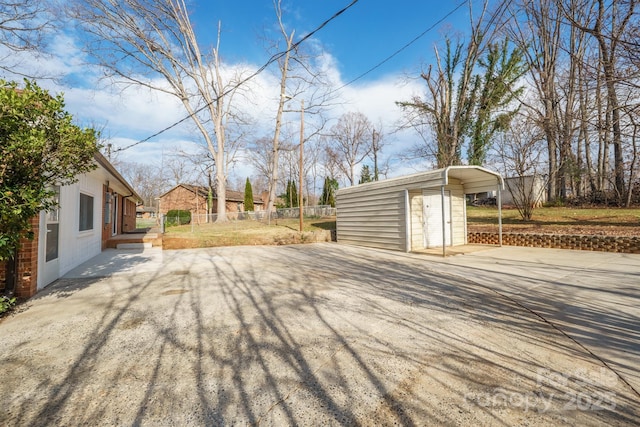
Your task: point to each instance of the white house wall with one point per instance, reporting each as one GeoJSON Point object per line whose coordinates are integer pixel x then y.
{"type": "Point", "coordinates": [533, 187]}
{"type": "Point", "coordinates": [80, 246]}
{"type": "Point", "coordinates": [76, 247]}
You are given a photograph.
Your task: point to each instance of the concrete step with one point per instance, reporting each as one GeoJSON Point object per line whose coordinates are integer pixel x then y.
{"type": "Point", "coordinates": [139, 245]}
{"type": "Point", "coordinates": [154, 239]}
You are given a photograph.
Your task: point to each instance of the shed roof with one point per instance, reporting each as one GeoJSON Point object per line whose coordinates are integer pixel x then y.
{"type": "Point", "coordinates": [475, 179]}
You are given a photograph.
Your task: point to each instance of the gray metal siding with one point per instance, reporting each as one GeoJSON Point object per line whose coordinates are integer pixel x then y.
{"type": "Point", "coordinates": [373, 214]}
{"type": "Point", "coordinates": [374, 219]}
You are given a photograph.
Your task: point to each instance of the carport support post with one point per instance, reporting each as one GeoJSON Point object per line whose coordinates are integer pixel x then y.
{"type": "Point", "coordinates": [444, 220]}
{"type": "Point", "coordinates": [499, 214]}
{"type": "Point", "coordinates": [407, 222]}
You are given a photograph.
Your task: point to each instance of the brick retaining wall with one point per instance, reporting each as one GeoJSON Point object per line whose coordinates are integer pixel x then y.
{"type": "Point", "coordinates": [630, 245]}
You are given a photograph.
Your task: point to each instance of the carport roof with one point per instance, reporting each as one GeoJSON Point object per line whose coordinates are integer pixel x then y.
{"type": "Point", "coordinates": [475, 179]}
{"type": "Point", "coordinates": [469, 174]}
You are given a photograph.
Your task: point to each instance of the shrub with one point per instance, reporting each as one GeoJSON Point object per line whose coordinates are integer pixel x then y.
{"type": "Point", "coordinates": [178, 217]}
{"type": "Point", "coordinates": [6, 304]}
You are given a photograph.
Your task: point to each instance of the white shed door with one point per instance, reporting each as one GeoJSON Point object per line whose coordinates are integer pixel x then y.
{"type": "Point", "coordinates": [432, 214]}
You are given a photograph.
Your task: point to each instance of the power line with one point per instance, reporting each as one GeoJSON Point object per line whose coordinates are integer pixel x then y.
{"type": "Point", "coordinates": [271, 60]}
{"type": "Point", "coordinates": [279, 55]}
{"type": "Point", "coordinates": [397, 52]}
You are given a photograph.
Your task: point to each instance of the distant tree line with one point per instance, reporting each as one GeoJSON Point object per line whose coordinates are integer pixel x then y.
{"type": "Point", "coordinates": [546, 88]}
{"type": "Point", "coordinates": [564, 73]}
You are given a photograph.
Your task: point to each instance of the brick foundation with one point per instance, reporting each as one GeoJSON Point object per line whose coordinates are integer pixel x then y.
{"type": "Point", "coordinates": [630, 245]}
{"type": "Point", "coordinates": [27, 265]}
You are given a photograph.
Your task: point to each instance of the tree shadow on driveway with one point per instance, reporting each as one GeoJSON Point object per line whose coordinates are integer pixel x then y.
{"type": "Point", "coordinates": [295, 335]}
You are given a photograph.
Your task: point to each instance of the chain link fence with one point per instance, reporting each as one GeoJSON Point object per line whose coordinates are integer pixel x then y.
{"type": "Point", "coordinates": [309, 212]}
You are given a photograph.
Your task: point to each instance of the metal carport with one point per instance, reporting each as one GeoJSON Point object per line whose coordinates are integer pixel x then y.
{"type": "Point", "coordinates": [391, 214]}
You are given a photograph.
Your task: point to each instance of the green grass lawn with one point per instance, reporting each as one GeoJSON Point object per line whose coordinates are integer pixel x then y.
{"type": "Point", "coordinates": [145, 222]}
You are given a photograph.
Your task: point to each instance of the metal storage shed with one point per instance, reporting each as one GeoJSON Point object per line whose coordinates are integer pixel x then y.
{"type": "Point", "coordinates": [413, 212]}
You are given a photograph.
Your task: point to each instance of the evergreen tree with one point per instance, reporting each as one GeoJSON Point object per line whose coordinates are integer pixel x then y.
{"type": "Point", "coordinates": [248, 197]}
{"type": "Point", "coordinates": [491, 96]}
{"type": "Point", "coordinates": [291, 195]}
{"type": "Point", "coordinates": [365, 175]}
{"type": "Point", "coordinates": [329, 189]}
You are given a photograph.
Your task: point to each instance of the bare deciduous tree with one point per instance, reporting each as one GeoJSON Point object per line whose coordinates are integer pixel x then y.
{"type": "Point", "coordinates": [350, 141]}
{"type": "Point", "coordinates": [444, 110]}
{"type": "Point", "coordinates": [138, 41]}
{"type": "Point", "coordinates": [536, 26]}
{"type": "Point", "coordinates": [583, 77]}
{"type": "Point", "coordinates": [260, 154]}
{"type": "Point", "coordinates": [22, 23]}
{"type": "Point", "coordinates": [147, 179]}
{"type": "Point", "coordinates": [458, 103]}
{"type": "Point", "coordinates": [608, 26]}
{"type": "Point", "coordinates": [23, 27]}
{"type": "Point", "coordinates": [301, 81]}
{"type": "Point", "coordinates": [520, 152]}
{"type": "Point", "coordinates": [378, 141]}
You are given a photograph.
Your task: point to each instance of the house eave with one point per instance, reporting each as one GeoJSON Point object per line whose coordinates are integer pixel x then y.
{"type": "Point", "coordinates": [106, 165]}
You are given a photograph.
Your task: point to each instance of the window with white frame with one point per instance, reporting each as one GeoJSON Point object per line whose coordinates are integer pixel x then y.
{"type": "Point", "coordinates": [86, 212]}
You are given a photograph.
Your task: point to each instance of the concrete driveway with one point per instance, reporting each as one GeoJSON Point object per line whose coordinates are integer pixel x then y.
{"type": "Point", "coordinates": [593, 297]}
{"type": "Point", "coordinates": [328, 334]}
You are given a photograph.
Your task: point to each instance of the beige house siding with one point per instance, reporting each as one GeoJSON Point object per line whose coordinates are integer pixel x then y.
{"type": "Point", "coordinates": [458, 213]}
{"type": "Point", "coordinates": [417, 219]}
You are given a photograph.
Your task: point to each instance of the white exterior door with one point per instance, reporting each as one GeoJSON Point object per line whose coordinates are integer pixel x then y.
{"type": "Point", "coordinates": [114, 215]}
{"type": "Point", "coordinates": [51, 228]}
{"type": "Point", "coordinates": [432, 217]}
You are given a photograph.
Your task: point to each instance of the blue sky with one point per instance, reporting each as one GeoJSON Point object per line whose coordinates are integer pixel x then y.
{"type": "Point", "coordinates": [365, 34]}
{"type": "Point", "coordinates": [353, 43]}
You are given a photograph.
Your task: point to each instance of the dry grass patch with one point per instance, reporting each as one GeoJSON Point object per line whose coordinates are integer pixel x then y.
{"type": "Point", "coordinates": [559, 220]}
{"type": "Point", "coordinates": [238, 233]}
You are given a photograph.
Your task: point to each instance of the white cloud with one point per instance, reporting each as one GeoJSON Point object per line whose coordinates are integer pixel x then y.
{"type": "Point", "coordinates": [135, 113]}
{"type": "Point", "coordinates": [62, 58]}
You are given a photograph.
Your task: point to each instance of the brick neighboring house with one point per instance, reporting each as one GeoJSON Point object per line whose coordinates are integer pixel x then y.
{"type": "Point", "coordinates": [145, 212]}
{"type": "Point", "coordinates": [100, 205]}
{"type": "Point", "coordinates": [193, 198]}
